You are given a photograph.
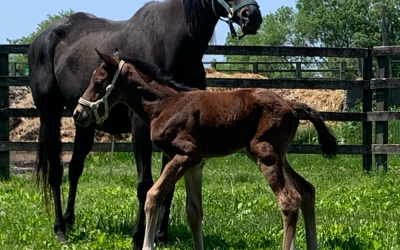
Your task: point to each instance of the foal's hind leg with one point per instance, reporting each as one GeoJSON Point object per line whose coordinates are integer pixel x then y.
{"type": "Point", "coordinates": [82, 146]}
{"type": "Point", "coordinates": [271, 165]}
{"type": "Point", "coordinates": [307, 192]}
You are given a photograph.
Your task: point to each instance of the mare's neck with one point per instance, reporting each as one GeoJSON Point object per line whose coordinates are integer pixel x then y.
{"type": "Point", "coordinates": [201, 20]}
{"type": "Point", "coordinates": [145, 96]}
{"type": "Point", "coordinates": [185, 21]}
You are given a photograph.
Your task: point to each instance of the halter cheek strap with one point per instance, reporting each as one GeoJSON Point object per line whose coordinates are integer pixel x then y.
{"type": "Point", "coordinates": [231, 11]}
{"type": "Point", "coordinates": [94, 106]}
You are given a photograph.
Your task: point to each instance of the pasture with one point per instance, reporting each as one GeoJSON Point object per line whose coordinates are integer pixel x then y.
{"type": "Point", "coordinates": [354, 210]}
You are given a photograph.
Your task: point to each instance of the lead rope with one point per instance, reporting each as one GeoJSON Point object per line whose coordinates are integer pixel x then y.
{"type": "Point", "coordinates": [112, 154]}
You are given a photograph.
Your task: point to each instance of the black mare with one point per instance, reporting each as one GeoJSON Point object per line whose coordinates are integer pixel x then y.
{"type": "Point", "coordinates": [168, 37]}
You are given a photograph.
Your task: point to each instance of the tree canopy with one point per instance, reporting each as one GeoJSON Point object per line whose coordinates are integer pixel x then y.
{"type": "Point", "coordinates": [328, 23]}
{"type": "Point", "coordinates": [40, 27]}
{"type": "Point", "coordinates": [21, 60]}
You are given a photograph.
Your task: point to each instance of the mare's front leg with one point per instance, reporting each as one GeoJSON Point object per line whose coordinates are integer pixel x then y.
{"type": "Point", "coordinates": [142, 148]}
{"type": "Point", "coordinates": [174, 170]}
{"type": "Point", "coordinates": [82, 146]}
{"type": "Point", "coordinates": [194, 207]}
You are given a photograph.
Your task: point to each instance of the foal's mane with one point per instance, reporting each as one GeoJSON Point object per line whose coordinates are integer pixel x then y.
{"type": "Point", "coordinates": [155, 74]}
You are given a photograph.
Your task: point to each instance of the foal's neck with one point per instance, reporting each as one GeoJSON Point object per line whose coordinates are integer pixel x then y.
{"type": "Point", "coordinates": [145, 96]}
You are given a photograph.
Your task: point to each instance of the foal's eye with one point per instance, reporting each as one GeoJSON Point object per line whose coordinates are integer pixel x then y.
{"type": "Point", "coordinates": [98, 83]}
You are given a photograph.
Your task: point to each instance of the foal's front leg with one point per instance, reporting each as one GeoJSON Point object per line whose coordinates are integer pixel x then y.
{"type": "Point", "coordinates": [174, 170]}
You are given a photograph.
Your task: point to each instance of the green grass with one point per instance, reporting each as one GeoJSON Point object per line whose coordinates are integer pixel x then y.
{"type": "Point", "coordinates": [355, 210]}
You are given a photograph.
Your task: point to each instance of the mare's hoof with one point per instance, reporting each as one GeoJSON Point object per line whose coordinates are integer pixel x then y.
{"type": "Point", "coordinates": [61, 237]}
{"type": "Point", "coordinates": [136, 247]}
{"type": "Point", "coordinates": [161, 239]}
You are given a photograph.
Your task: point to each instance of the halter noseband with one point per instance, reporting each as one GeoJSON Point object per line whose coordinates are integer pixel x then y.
{"type": "Point", "coordinates": [231, 12]}
{"type": "Point", "coordinates": [94, 106]}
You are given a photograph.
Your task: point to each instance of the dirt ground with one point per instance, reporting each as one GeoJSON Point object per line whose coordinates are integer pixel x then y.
{"type": "Point", "coordinates": [26, 129]}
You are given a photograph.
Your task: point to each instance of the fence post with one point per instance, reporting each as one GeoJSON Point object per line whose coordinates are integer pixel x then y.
{"type": "Point", "coordinates": [214, 65]}
{"type": "Point", "coordinates": [298, 70]}
{"type": "Point", "coordinates": [4, 125]}
{"type": "Point", "coordinates": [367, 106]}
{"type": "Point", "coordinates": [382, 100]}
{"type": "Point", "coordinates": [342, 75]}
{"type": "Point", "coordinates": [255, 68]}
{"type": "Point", "coordinates": [13, 72]}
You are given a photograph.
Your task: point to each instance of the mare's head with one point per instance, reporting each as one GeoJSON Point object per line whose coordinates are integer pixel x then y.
{"type": "Point", "coordinates": [245, 13]}
{"type": "Point", "coordinates": [101, 94]}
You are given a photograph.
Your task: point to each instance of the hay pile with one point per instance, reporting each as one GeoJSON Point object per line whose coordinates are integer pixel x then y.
{"type": "Point", "coordinates": [26, 129]}
{"type": "Point", "coordinates": [322, 100]}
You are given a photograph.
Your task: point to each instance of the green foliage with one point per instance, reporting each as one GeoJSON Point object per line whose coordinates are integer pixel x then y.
{"type": "Point", "coordinates": [22, 60]}
{"type": "Point", "coordinates": [315, 23]}
{"type": "Point", "coordinates": [41, 26]}
{"type": "Point", "coordinates": [349, 23]}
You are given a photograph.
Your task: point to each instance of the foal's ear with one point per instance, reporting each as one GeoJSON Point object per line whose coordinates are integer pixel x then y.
{"type": "Point", "coordinates": [117, 53]}
{"type": "Point", "coordinates": [108, 61]}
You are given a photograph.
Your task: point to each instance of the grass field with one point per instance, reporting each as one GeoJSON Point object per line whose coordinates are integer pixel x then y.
{"type": "Point", "coordinates": [355, 210]}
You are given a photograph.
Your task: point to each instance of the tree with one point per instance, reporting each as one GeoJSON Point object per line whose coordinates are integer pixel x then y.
{"type": "Point", "coordinates": [21, 60]}
{"type": "Point", "coordinates": [330, 23]}
{"type": "Point", "coordinates": [282, 28]}
{"type": "Point", "coordinates": [349, 23]}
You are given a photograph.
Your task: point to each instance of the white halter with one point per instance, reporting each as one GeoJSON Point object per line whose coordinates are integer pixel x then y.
{"type": "Point", "coordinates": [94, 106]}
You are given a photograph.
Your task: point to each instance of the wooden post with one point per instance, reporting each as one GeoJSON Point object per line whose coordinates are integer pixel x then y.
{"type": "Point", "coordinates": [4, 125]}
{"type": "Point", "coordinates": [13, 72]}
{"type": "Point", "coordinates": [255, 68]}
{"type": "Point", "coordinates": [298, 70]}
{"type": "Point", "coordinates": [382, 100]}
{"type": "Point", "coordinates": [382, 97]}
{"type": "Point", "coordinates": [342, 75]}
{"type": "Point", "coordinates": [214, 65]}
{"type": "Point", "coordinates": [367, 106]}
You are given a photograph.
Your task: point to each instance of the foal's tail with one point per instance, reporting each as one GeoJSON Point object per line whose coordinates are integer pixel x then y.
{"type": "Point", "coordinates": [42, 168]}
{"type": "Point", "coordinates": [326, 139]}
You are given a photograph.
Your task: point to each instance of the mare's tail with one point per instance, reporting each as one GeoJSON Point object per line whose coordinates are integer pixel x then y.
{"type": "Point", "coordinates": [42, 168]}
{"type": "Point", "coordinates": [327, 141]}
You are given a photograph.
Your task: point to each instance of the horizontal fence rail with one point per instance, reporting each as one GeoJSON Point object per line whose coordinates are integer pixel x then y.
{"type": "Point", "coordinates": [367, 85]}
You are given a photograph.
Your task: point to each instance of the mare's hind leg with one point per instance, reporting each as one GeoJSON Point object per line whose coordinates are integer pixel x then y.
{"type": "Point", "coordinates": [82, 146]}
{"type": "Point", "coordinates": [142, 147]}
{"type": "Point", "coordinates": [271, 164]}
{"type": "Point", "coordinates": [307, 192]}
{"type": "Point", "coordinates": [50, 117]}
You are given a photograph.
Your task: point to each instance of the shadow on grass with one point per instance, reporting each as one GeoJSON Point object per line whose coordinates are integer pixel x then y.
{"type": "Point", "coordinates": [181, 235]}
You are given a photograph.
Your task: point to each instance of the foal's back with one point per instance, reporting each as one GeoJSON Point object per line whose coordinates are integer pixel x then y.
{"type": "Point", "coordinates": [225, 122]}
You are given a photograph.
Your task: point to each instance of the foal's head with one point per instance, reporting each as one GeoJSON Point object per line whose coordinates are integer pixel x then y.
{"type": "Point", "coordinates": [102, 92]}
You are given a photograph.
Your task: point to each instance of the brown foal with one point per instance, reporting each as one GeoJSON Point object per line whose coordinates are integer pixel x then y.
{"type": "Point", "coordinates": [192, 126]}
